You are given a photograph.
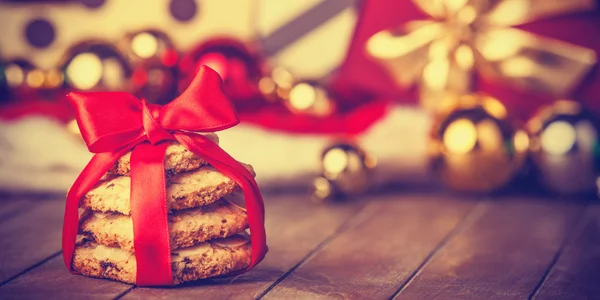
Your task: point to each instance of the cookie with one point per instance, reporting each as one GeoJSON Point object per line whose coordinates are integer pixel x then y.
{"type": "Point", "coordinates": [208, 259]}
{"type": "Point", "coordinates": [185, 190]}
{"type": "Point", "coordinates": [186, 227]}
{"type": "Point", "coordinates": [177, 159]}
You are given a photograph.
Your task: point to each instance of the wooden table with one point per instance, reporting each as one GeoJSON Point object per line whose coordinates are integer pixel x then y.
{"type": "Point", "coordinates": [411, 245]}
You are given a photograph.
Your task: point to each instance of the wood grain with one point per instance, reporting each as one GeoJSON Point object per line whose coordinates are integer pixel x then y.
{"type": "Point", "coordinates": [30, 237]}
{"type": "Point", "coordinates": [295, 226]}
{"type": "Point", "coordinates": [503, 255]}
{"type": "Point", "coordinates": [576, 275]}
{"type": "Point", "coordinates": [51, 280]}
{"type": "Point", "coordinates": [371, 259]}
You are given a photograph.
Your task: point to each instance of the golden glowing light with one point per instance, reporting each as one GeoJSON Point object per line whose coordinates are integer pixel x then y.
{"type": "Point", "coordinates": [521, 141]}
{"type": "Point", "coordinates": [266, 85]}
{"type": "Point", "coordinates": [112, 73]}
{"type": "Point", "coordinates": [144, 45]}
{"type": "Point", "coordinates": [454, 5]}
{"type": "Point", "coordinates": [467, 15]}
{"type": "Point", "coordinates": [460, 137]}
{"type": "Point", "coordinates": [35, 79]}
{"type": "Point", "coordinates": [335, 161]}
{"type": "Point", "coordinates": [494, 108]}
{"type": "Point", "coordinates": [510, 12]}
{"type": "Point", "coordinates": [386, 45]}
{"type": "Point", "coordinates": [302, 96]}
{"type": "Point", "coordinates": [519, 66]}
{"type": "Point", "coordinates": [322, 188]}
{"type": "Point", "coordinates": [501, 44]}
{"type": "Point", "coordinates": [14, 75]}
{"type": "Point", "coordinates": [85, 71]}
{"type": "Point", "coordinates": [54, 78]}
{"type": "Point", "coordinates": [558, 138]}
{"type": "Point", "coordinates": [464, 57]}
{"type": "Point", "coordinates": [282, 77]}
{"type": "Point", "coordinates": [435, 74]}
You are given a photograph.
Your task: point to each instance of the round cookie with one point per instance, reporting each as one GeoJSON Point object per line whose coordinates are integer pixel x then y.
{"type": "Point", "coordinates": [186, 228]}
{"type": "Point", "coordinates": [177, 159]}
{"type": "Point", "coordinates": [185, 190]}
{"type": "Point", "coordinates": [209, 259]}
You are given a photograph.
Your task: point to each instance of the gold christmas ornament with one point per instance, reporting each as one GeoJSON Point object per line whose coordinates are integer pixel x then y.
{"type": "Point", "coordinates": [475, 147]}
{"type": "Point", "coordinates": [92, 66]}
{"type": "Point", "coordinates": [309, 98]}
{"type": "Point", "coordinates": [462, 37]}
{"type": "Point", "coordinates": [565, 145]}
{"type": "Point", "coordinates": [347, 168]}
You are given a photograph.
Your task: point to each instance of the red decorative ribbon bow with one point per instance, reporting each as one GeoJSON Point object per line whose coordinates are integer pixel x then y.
{"type": "Point", "coordinates": [113, 123]}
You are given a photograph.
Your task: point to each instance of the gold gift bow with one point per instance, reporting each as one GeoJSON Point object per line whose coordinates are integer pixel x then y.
{"type": "Point", "coordinates": [441, 55]}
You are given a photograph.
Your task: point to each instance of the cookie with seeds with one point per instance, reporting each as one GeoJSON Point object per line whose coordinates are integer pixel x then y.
{"type": "Point", "coordinates": [199, 187]}
{"type": "Point", "coordinates": [208, 259]}
{"type": "Point", "coordinates": [186, 227]}
{"type": "Point", "coordinates": [177, 159]}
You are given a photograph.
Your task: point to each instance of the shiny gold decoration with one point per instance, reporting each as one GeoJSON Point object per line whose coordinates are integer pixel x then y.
{"type": "Point", "coordinates": [565, 145]}
{"type": "Point", "coordinates": [474, 146]}
{"type": "Point", "coordinates": [309, 98]}
{"type": "Point", "coordinates": [442, 54]}
{"type": "Point", "coordinates": [25, 75]}
{"type": "Point", "coordinates": [347, 169]}
{"type": "Point", "coordinates": [145, 45]}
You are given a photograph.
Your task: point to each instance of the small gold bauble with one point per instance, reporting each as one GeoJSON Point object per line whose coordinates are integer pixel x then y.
{"type": "Point", "coordinates": [475, 147]}
{"type": "Point", "coordinates": [309, 98]}
{"type": "Point", "coordinates": [96, 66]}
{"type": "Point", "coordinates": [565, 146]}
{"type": "Point", "coordinates": [347, 167]}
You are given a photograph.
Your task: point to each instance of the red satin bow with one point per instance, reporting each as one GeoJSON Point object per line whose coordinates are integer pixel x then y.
{"type": "Point", "coordinates": [113, 123]}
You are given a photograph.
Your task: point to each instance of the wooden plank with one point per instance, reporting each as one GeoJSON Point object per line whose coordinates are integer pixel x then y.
{"type": "Point", "coordinates": [576, 275]}
{"type": "Point", "coordinates": [503, 255]}
{"type": "Point", "coordinates": [30, 238]}
{"type": "Point", "coordinates": [295, 226]}
{"type": "Point", "coordinates": [374, 256]}
{"type": "Point", "coordinates": [10, 208]}
{"type": "Point", "coordinates": [51, 280]}
{"type": "Point", "coordinates": [12, 205]}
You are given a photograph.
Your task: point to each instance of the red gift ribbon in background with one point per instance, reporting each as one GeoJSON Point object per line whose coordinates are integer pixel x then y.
{"type": "Point", "coordinates": [113, 123]}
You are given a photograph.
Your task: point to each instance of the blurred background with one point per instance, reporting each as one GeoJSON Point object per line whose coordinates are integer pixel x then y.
{"type": "Point", "coordinates": [336, 97]}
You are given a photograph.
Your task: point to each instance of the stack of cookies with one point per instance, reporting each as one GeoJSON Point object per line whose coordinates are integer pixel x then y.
{"type": "Point", "coordinates": [206, 226]}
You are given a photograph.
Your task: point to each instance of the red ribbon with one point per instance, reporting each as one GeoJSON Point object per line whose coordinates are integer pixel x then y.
{"type": "Point", "coordinates": [113, 123]}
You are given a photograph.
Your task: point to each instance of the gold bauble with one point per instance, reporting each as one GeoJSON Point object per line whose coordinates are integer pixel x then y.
{"type": "Point", "coordinates": [347, 168]}
{"type": "Point", "coordinates": [96, 66]}
{"type": "Point", "coordinates": [309, 98]}
{"type": "Point", "coordinates": [474, 146]}
{"type": "Point", "coordinates": [565, 146]}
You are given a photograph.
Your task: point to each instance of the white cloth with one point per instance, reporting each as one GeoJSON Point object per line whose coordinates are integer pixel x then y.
{"type": "Point", "coordinates": [39, 155]}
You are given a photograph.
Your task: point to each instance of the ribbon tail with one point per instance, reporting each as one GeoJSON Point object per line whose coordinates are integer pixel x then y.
{"type": "Point", "coordinates": [149, 215]}
{"type": "Point", "coordinates": [231, 168]}
{"type": "Point", "coordinates": [91, 174]}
